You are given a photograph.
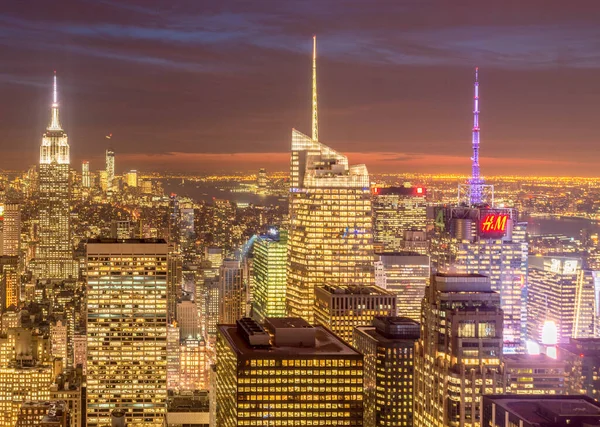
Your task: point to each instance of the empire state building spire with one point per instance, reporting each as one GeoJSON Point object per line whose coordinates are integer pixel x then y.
{"type": "Point", "coordinates": [55, 145]}
{"type": "Point", "coordinates": [54, 253]}
{"type": "Point", "coordinates": [476, 182]}
{"type": "Point", "coordinates": [54, 121]}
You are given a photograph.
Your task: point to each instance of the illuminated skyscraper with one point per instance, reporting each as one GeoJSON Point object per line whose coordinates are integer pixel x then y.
{"type": "Point", "coordinates": [54, 258]}
{"type": "Point", "coordinates": [192, 364]}
{"type": "Point", "coordinates": [330, 237]}
{"type": "Point", "coordinates": [207, 292]}
{"type": "Point", "coordinates": [25, 372]}
{"type": "Point", "coordinates": [534, 374]}
{"type": "Point", "coordinates": [491, 242]}
{"type": "Point", "coordinates": [80, 351]}
{"type": "Point", "coordinates": [405, 274]}
{"type": "Point", "coordinates": [458, 357]}
{"type": "Point", "coordinates": [342, 308]}
{"type": "Point", "coordinates": [173, 365]}
{"type": "Point", "coordinates": [174, 265]}
{"type": "Point", "coordinates": [223, 217]}
{"type": "Point", "coordinates": [261, 179]}
{"type": "Point", "coordinates": [58, 341]}
{"type": "Point", "coordinates": [10, 282]}
{"type": "Point", "coordinates": [209, 299]}
{"type": "Point", "coordinates": [110, 170]}
{"type": "Point", "coordinates": [187, 230]}
{"type": "Point", "coordinates": [127, 331]}
{"type": "Point", "coordinates": [475, 237]}
{"type": "Point", "coordinates": [388, 348]}
{"type": "Point", "coordinates": [187, 319]}
{"type": "Point", "coordinates": [215, 256]}
{"type": "Point", "coordinates": [232, 292]}
{"type": "Point", "coordinates": [395, 211]}
{"type": "Point", "coordinates": [11, 229]}
{"type": "Point", "coordinates": [269, 269]}
{"type": "Point", "coordinates": [584, 357]}
{"type": "Point", "coordinates": [131, 178]}
{"type": "Point", "coordinates": [86, 179]}
{"type": "Point", "coordinates": [559, 290]}
{"type": "Point", "coordinates": [293, 375]}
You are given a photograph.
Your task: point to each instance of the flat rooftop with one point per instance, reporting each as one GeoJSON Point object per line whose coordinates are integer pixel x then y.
{"type": "Point", "coordinates": [532, 359]}
{"type": "Point", "coordinates": [354, 290]}
{"type": "Point", "coordinates": [461, 275]}
{"type": "Point", "coordinates": [382, 339]}
{"type": "Point", "coordinates": [289, 322]}
{"type": "Point", "coordinates": [547, 410]}
{"type": "Point", "coordinates": [326, 345]}
{"type": "Point", "coordinates": [453, 282]}
{"type": "Point", "coordinates": [155, 241]}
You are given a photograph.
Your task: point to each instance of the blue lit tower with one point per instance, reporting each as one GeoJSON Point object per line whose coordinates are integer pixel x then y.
{"type": "Point", "coordinates": [476, 182]}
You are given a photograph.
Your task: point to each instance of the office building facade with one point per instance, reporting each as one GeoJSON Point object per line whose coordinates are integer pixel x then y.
{"type": "Point", "coordinates": [395, 211]}
{"type": "Point", "coordinates": [560, 291]}
{"type": "Point", "coordinates": [293, 374]}
{"type": "Point", "coordinates": [405, 274]}
{"type": "Point", "coordinates": [232, 292]}
{"type": "Point", "coordinates": [342, 308]}
{"type": "Point", "coordinates": [270, 275]}
{"type": "Point", "coordinates": [388, 349]}
{"type": "Point", "coordinates": [458, 357]}
{"type": "Point", "coordinates": [127, 330]}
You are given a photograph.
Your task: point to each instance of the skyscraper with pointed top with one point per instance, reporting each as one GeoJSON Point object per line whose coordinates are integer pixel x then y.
{"type": "Point", "coordinates": [476, 182]}
{"type": "Point", "coordinates": [54, 255]}
{"type": "Point", "coordinates": [330, 238]}
{"type": "Point", "coordinates": [476, 237]}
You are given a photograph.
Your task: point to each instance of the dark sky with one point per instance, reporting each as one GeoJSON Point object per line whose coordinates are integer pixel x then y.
{"type": "Point", "coordinates": [199, 86]}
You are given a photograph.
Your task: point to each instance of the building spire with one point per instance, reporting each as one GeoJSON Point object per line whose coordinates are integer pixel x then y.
{"type": "Point", "coordinates": [54, 121]}
{"type": "Point", "coordinates": [315, 119]}
{"type": "Point", "coordinates": [476, 182]}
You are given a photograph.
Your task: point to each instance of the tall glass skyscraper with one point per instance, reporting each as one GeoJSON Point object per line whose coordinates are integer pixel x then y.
{"type": "Point", "coordinates": [127, 331]}
{"type": "Point", "coordinates": [270, 255]}
{"type": "Point", "coordinates": [395, 211]}
{"type": "Point", "coordinates": [86, 181]}
{"type": "Point", "coordinates": [54, 257]}
{"type": "Point", "coordinates": [560, 291]}
{"type": "Point", "coordinates": [330, 238]}
{"type": "Point", "coordinates": [406, 275]}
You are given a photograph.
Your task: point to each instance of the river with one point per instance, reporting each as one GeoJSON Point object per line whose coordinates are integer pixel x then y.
{"type": "Point", "coordinates": [570, 227]}
{"type": "Point", "coordinates": [202, 191]}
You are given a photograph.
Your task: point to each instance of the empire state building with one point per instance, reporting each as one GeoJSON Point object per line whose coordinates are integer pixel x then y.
{"type": "Point", "coordinates": [54, 257]}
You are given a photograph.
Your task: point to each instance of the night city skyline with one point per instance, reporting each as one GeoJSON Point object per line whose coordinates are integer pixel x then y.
{"type": "Point", "coordinates": [321, 213]}
{"type": "Point", "coordinates": [202, 88]}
